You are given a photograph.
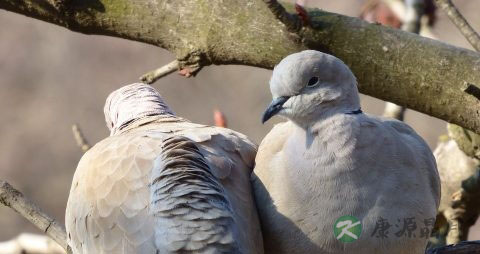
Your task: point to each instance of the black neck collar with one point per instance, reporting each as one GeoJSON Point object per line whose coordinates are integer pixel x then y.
{"type": "Point", "coordinates": [355, 112]}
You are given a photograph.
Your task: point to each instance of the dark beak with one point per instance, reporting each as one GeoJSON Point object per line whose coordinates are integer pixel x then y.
{"type": "Point", "coordinates": [274, 108]}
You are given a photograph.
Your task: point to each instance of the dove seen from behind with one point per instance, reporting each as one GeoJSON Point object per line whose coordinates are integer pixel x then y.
{"type": "Point", "coordinates": [161, 184]}
{"type": "Point", "coordinates": [332, 179]}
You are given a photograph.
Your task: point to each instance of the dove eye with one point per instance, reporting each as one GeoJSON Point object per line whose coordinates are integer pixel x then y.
{"type": "Point", "coordinates": [313, 82]}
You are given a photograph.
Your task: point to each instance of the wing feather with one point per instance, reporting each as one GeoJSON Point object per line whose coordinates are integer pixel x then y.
{"type": "Point", "coordinates": [114, 202]}
{"type": "Point", "coordinates": [108, 210]}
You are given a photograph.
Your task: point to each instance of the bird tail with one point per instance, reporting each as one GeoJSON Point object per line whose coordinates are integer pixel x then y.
{"type": "Point", "coordinates": [189, 199]}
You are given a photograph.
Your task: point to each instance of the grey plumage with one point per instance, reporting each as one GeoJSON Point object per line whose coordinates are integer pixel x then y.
{"type": "Point", "coordinates": [186, 197]}
{"type": "Point", "coordinates": [161, 184]}
{"type": "Point", "coordinates": [329, 160]}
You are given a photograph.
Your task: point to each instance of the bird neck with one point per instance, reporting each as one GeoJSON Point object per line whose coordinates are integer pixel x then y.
{"type": "Point", "coordinates": [348, 104]}
{"type": "Point", "coordinates": [327, 113]}
{"type": "Point", "coordinates": [144, 121]}
{"type": "Point", "coordinates": [129, 112]}
{"type": "Point", "coordinates": [131, 103]}
{"type": "Point", "coordinates": [341, 125]}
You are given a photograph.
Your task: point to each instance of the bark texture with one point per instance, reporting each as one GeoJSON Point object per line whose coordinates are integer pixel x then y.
{"type": "Point", "coordinates": [419, 73]}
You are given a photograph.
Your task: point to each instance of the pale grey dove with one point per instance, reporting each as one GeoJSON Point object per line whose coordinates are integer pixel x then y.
{"type": "Point", "coordinates": [161, 184]}
{"type": "Point", "coordinates": [330, 160]}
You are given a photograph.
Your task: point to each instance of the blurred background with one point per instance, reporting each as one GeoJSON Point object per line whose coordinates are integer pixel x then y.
{"type": "Point", "coordinates": [52, 78]}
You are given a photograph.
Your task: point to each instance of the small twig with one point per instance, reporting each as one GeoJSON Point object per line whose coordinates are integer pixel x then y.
{"type": "Point", "coordinates": [462, 24]}
{"type": "Point", "coordinates": [80, 138]}
{"type": "Point", "coordinates": [14, 199]}
{"type": "Point", "coordinates": [154, 75]}
{"type": "Point", "coordinates": [293, 22]}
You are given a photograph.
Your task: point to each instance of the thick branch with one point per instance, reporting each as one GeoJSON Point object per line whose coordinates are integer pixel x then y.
{"type": "Point", "coordinates": [419, 73]}
{"type": "Point", "coordinates": [14, 199]}
{"type": "Point", "coordinates": [411, 23]}
{"type": "Point", "coordinates": [293, 23]}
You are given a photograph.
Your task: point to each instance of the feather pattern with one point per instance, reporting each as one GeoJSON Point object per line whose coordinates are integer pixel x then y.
{"type": "Point", "coordinates": [325, 163]}
{"type": "Point", "coordinates": [188, 203]}
{"type": "Point", "coordinates": [161, 184]}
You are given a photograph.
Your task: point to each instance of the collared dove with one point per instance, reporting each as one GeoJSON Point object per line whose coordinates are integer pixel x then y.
{"type": "Point", "coordinates": [330, 166]}
{"type": "Point", "coordinates": [161, 184]}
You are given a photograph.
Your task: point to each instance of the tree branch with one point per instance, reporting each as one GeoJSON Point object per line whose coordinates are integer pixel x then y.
{"type": "Point", "coordinates": [462, 24]}
{"type": "Point", "coordinates": [80, 138]}
{"type": "Point", "coordinates": [414, 10]}
{"type": "Point", "coordinates": [406, 69]}
{"type": "Point", "coordinates": [293, 23]}
{"type": "Point", "coordinates": [14, 199]}
{"type": "Point", "coordinates": [152, 76]}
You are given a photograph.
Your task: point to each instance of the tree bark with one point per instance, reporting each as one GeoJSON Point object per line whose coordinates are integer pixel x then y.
{"type": "Point", "coordinates": [14, 199]}
{"type": "Point", "coordinates": [422, 74]}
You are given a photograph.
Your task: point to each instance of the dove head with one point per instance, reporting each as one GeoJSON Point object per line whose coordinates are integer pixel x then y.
{"type": "Point", "coordinates": [310, 85]}
{"type": "Point", "coordinates": [131, 103]}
